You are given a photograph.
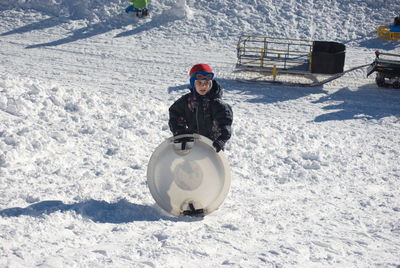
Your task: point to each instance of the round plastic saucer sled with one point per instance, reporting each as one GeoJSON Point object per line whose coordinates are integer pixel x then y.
{"type": "Point", "coordinates": [187, 177]}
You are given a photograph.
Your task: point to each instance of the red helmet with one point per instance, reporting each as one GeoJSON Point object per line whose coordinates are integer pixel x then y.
{"type": "Point", "coordinates": [200, 67]}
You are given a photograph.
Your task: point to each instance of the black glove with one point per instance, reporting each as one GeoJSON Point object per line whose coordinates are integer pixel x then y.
{"type": "Point", "coordinates": [218, 145]}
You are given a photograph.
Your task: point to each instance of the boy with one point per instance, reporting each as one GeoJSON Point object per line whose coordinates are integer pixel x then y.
{"type": "Point", "coordinates": [202, 110]}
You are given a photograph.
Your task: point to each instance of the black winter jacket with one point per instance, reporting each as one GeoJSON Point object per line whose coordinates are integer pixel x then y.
{"type": "Point", "coordinates": [206, 115]}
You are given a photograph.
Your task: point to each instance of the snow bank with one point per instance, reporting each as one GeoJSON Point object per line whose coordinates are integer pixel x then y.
{"type": "Point", "coordinates": [86, 9]}
{"type": "Point", "coordinates": [94, 10]}
{"type": "Point", "coordinates": [28, 106]}
{"type": "Point", "coordinates": [309, 19]}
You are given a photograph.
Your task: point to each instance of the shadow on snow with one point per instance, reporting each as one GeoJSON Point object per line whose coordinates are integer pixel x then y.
{"type": "Point", "coordinates": [368, 102]}
{"type": "Point", "coordinates": [97, 211]}
{"type": "Point", "coordinates": [261, 93]}
{"type": "Point", "coordinates": [379, 44]}
{"type": "Point", "coordinates": [116, 22]}
{"type": "Point", "coordinates": [40, 25]}
{"type": "Point", "coordinates": [110, 24]}
{"type": "Point", "coordinates": [179, 88]}
{"type": "Point", "coordinates": [91, 30]}
{"type": "Point", "coordinates": [269, 93]}
{"type": "Point", "coordinates": [165, 17]}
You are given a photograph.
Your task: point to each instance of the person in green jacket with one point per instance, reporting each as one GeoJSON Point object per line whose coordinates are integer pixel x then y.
{"type": "Point", "coordinates": [138, 6]}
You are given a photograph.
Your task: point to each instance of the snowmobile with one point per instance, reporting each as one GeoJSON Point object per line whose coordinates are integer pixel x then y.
{"type": "Point", "coordinates": [387, 68]}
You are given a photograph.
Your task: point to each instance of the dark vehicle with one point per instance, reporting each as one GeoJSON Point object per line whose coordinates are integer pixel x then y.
{"type": "Point", "coordinates": [387, 68]}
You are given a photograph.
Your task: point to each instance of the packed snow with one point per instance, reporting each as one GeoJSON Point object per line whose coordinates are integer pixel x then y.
{"type": "Point", "coordinates": [84, 97]}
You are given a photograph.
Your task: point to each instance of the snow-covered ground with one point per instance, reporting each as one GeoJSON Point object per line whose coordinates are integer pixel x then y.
{"type": "Point", "coordinates": [84, 95]}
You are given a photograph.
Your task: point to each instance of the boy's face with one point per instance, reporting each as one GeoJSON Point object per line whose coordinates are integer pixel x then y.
{"type": "Point", "coordinates": [202, 86]}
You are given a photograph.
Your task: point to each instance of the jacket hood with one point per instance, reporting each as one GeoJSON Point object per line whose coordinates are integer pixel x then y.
{"type": "Point", "coordinates": [215, 91]}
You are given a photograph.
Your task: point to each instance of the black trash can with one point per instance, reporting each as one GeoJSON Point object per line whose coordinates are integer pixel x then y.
{"type": "Point", "coordinates": [327, 57]}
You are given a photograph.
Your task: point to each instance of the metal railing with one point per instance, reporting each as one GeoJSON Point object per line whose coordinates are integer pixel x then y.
{"type": "Point", "coordinates": [268, 53]}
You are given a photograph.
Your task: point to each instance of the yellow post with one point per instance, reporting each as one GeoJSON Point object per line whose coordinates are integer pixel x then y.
{"type": "Point", "coordinates": [274, 72]}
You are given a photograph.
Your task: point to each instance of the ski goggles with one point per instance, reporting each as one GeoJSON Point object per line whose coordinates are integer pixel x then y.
{"type": "Point", "coordinates": [203, 76]}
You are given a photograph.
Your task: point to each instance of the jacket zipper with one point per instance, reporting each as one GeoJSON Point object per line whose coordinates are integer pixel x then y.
{"type": "Point", "coordinates": [197, 119]}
